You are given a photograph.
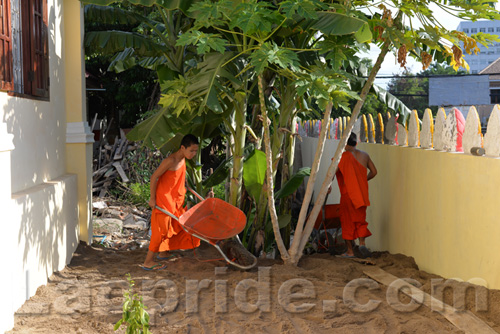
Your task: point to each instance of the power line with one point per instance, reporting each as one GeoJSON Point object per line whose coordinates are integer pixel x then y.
{"type": "Point", "coordinates": [423, 95]}
{"type": "Point", "coordinates": [430, 76]}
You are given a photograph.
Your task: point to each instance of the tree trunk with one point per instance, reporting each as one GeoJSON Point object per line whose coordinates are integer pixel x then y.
{"type": "Point", "coordinates": [237, 150]}
{"type": "Point", "coordinates": [304, 237]}
{"type": "Point", "coordinates": [269, 175]}
{"type": "Point", "coordinates": [297, 237]}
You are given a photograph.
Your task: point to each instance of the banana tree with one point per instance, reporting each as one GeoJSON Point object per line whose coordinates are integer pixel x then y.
{"type": "Point", "coordinates": [152, 43]}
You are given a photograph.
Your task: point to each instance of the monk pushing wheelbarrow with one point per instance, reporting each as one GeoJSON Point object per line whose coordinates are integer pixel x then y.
{"type": "Point", "coordinates": [217, 222]}
{"type": "Point", "coordinates": [173, 228]}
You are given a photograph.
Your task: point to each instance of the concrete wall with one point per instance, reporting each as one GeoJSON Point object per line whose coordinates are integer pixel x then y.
{"type": "Point", "coordinates": [440, 208]}
{"type": "Point", "coordinates": [45, 168]}
{"type": "Point", "coordinates": [45, 230]}
{"type": "Point", "coordinates": [308, 151]}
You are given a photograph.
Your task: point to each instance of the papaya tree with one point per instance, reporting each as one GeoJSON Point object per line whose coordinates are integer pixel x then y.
{"type": "Point", "coordinates": [397, 33]}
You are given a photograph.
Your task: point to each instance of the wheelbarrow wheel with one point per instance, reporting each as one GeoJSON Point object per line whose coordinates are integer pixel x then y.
{"type": "Point", "coordinates": [235, 251]}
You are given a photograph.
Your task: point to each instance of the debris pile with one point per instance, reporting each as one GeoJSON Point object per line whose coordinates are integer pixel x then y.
{"type": "Point", "coordinates": [119, 227]}
{"type": "Point", "coordinates": [110, 163]}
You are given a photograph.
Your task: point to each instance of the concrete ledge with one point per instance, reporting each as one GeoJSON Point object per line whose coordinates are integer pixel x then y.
{"type": "Point", "coordinates": [44, 226]}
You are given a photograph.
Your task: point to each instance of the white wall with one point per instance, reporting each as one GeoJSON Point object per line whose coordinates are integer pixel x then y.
{"type": "Point", "coordinates": [39, 127]}
{"type": "Point", "coordinates": [45, 231]}
{"type": "Point", "coordinates": [38, 198]}
{"type": "Point", "coordinates": [308, 149]}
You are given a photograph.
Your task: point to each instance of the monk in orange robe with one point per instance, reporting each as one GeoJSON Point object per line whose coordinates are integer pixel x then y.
{"type": "Point", "coordinates": [168, 192]}
{"type": "Point", "coordinates": [352, 179]}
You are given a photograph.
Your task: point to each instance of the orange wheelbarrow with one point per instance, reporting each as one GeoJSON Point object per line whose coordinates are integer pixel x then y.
{"type": "Point", "coordinates": [214, 221]}
{"type": "Point", "coordinates": [328, 219]}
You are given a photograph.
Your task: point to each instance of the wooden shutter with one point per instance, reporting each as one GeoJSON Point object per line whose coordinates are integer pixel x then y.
{"type": "Point", "coordinates": [6, 82]}
{"type": "Point", "coordinates": [36, 53]}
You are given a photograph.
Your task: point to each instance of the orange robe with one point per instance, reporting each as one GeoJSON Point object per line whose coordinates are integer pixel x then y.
{"type": "Point", "coordinates": [166, 232]}
{"type": "Point", "coordinates": [353, 185]}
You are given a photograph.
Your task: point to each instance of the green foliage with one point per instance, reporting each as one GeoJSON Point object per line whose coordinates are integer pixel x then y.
{"type": "Point", "coordinates": [219, 175]}
{"type": "Point", "coordinates": [270, 53]}
{"type": "Point", "coordinates": [293, 183]}
{"type": "Point", "coordinates": [254, 17]}
{"type": "Point", "coordinates": [331, 23]}
{"type": "Point", "coordinates": [134, 317]}
{"type": "Point", "coordinates": [220, 191]}
{"type": "Point", "coordinates": [254, 173]}
{"type": "Point", "coordinates": [126, 96]}
{"type": "Point", "coordinates": [408, 88]}
{"type": "Point", "coordinates": [204, 42]}
{"type": "Point", "coordinates": [304, 8]}
{"type": "Point", "coordinates": [142, 162]}
{"type": "Point", "coordinates": [139, 193]}
{"type": "Point", "coordinates": [304, 52]}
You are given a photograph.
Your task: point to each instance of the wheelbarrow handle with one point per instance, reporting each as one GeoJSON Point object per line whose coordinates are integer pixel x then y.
{"type": "Point", "coordinates": [196, 194]}
{"type": "Point", "coordinates": [171, 214]}
{"type": "Point", "coordinates": [167, 213]}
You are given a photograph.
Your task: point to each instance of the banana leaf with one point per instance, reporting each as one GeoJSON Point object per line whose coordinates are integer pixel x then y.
{"type": "Point", "coordinates": [294, 183]}
{"type": "Point", "coordinates": [254, 173]}
{"type": "Point", "coordinates": [113, 41]}
{"type": "Point", "coordinates": [219, 175]}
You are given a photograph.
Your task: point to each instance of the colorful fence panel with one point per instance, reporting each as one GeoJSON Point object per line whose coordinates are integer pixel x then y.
{"type": "Point", "coordinates": [445, 132]}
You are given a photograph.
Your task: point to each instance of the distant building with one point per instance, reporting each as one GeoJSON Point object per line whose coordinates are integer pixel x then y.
{"type": "Point", "coordinates": [492, 71]}
{"type": "Point", "coordinates": [462, 92]}
{"type": "Point", "coordinates": [486, 55]}
{"type": "Point", "coordinates": [480, 89]}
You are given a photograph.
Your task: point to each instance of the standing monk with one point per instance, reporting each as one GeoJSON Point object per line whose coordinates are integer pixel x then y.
{"type": "Point", "coordinates": [168, 191]}
{"type": "Point", "coordinates": [352, 179]}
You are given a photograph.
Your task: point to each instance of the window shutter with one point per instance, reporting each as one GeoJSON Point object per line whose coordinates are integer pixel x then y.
{"type": "Point", "coordinates": [6, 82]}
{"type": "Point", "coordinates": [39, 49]}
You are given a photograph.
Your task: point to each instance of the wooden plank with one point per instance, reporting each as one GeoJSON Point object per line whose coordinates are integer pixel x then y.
{"type": "Point", "coordinates": [109, 173]}
{"type": "Point", "coordinates": [113, 149]}
{"type": "Point", "coordinates": [104, 189]}
{"type": "Point", "coordinates": [463, 320]}
{"type": "Point", "coordinates": [101, 171]}
{"type": "Point", "coordinates": [120, 170]}
{"type": "Point", "coordinates": [119, 150]}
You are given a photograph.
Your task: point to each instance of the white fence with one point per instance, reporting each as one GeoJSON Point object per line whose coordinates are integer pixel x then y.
{"type": "Point", "coordinates": [449, 133]}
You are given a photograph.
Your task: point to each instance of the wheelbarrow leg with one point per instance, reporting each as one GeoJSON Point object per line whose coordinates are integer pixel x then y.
{"type": "Point", "coordinates": [230, 261]}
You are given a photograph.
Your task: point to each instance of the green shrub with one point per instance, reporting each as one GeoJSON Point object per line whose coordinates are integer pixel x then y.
{"type": "Point", "coordinates": [134, 316]}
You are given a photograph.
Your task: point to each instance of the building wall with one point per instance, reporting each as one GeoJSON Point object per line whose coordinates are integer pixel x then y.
{"type": "Point", "coordinates": [487, 54]}
{"type": "Point", "coordinates": [45, 168]}
{"type": "Point", "coordinates": [438, 207]}
{"type": "Point", "coordinates": [45, 231]}
{"type": "Point", "coordinates": [459, 90]}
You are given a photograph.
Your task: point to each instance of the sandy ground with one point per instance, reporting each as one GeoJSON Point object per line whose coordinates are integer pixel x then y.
{"type": "Point", "coordinates": [324, 294]}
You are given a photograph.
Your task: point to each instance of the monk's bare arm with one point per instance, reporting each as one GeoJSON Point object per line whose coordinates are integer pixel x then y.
{"type": "Point", "coordinates": [165, 165]}
{"type": "Point", "coordinates": [372, 169]}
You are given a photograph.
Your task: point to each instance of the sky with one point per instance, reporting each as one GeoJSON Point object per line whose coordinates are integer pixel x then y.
{"type": "Point", "coordinates": [390, 67]}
